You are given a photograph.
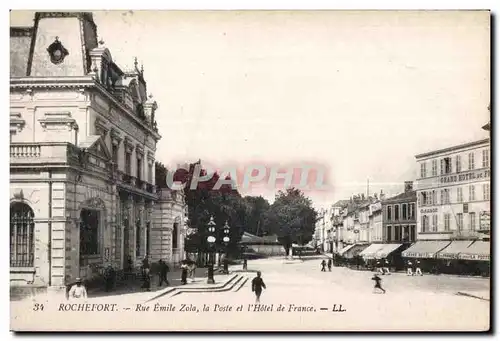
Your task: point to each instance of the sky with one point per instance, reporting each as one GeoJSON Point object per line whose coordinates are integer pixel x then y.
{"type": "Point", "coordinates": [359, 93]}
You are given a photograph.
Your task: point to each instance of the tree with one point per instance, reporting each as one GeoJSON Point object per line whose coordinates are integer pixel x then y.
{"type": "Point", "coordinates": [292, 218]}
{"type": "Point", "coordinates": [257, 208]}
{"type": "Point", "coordinates": [224, 204]}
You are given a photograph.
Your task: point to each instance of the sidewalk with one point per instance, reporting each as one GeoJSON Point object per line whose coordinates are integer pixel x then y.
{"type": "Point", "coordinates": [132, 286]}
{"type": "Point", "coordinates": [482, 295]}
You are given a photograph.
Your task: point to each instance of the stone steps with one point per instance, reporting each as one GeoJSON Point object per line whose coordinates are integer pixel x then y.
{"type": "Point", "coordinates": [233, 284]}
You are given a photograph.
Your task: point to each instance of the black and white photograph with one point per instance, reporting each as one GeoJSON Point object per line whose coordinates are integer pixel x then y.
{"type": "Point", "coordinates": [250, 170]}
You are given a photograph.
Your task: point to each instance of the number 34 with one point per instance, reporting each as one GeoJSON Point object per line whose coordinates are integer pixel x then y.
{"type": "Point", "coordinates": [38, 307]}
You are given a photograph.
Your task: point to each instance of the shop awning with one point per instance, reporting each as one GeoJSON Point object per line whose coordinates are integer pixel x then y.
{"type": "Point", "coordinates": [425, 249]}
{"type": "Point", "coordinates": [454, 249]}
{"type": "Point", "coordinates": [370, 251]}
{"type": "Point", "coordinates": [355, 250]}
{"type": "Point", "coordinates": [478, 251]}
{"type": "Point", "coordinates": [386, 250]}
{"type": "Point", "coordinates": [345, 249]}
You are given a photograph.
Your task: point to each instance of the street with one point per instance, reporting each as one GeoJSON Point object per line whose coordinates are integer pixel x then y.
{"type": "Point", "coordinates": [411, 303]}
{"type": "Point", "coordinates": [302, 290]}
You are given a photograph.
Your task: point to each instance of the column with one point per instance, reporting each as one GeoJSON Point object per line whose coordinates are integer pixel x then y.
{"type": "Point", "coordinates": [130, 233]}
{"type": "Point", "coordinates": [141, 219]}
{"type": "Point", "coordinates": [149, 225]}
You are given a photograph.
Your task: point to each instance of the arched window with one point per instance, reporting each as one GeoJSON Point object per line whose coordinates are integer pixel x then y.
{"type": "Point", "coordinates": [22, 239]}
{"type": "Point", "coordinates": [89, 232]}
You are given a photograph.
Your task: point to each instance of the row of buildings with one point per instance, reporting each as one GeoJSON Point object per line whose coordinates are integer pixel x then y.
{"type": "Point", "coordinates": [442, 217]}
{"type": "Point", "coordinates": [83, 139]}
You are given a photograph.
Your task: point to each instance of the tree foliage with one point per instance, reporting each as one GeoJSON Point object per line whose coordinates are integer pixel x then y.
{"type": "Point", "coordinates": [291, 217]}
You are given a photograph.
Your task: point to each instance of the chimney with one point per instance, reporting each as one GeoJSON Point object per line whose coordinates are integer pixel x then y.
{"type": "Point", "coordinates": [382, 195]}
{"type": "Point", "coordinates": [408, 186]}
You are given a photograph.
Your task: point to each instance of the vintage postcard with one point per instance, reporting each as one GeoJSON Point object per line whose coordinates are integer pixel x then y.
{"type": "Point", "coordinates": [250, 170]}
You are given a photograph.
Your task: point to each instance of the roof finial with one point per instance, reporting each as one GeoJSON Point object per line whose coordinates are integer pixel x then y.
{"type": "Point", "coordinates": [57, 38]}
{"type": "Point", "coordinates": [142, 67]}
{"type": "Point", "coordinates": [135, 61]}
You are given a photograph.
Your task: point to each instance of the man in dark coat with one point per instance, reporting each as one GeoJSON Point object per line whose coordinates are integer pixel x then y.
{"type": "Point", "coordinates": [378, 281]}
{"type": "Point", "coordinates": [146, 274]}
{"type": "Point", "coordinates": [323, 264]}
{"type": "Point", "coordinates": [163, 271]}
{"type": "Point", "coordinates": [257, 285]}
{"type": "Point", "coordinates": [184, 272]}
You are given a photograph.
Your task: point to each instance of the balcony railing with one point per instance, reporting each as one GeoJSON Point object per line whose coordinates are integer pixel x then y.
{"type": "Point", "coordinates": [25, 150]}
{"type": "Point", "coordinates": [43, 152]}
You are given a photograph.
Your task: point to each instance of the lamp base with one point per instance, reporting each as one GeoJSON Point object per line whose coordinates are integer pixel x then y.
{"type": "Point", "coordinates": [210, 281]}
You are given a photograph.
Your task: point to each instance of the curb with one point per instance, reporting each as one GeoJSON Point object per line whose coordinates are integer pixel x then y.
{"type": "Point", "coordinates": [461, 293]}
{"type": "Point", "coordinates": [215, 288]}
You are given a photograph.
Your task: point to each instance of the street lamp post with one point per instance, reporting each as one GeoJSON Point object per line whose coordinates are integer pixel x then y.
{"type": "Point", "coordinates": [211, 239]}
{"type": "Point", "coordinates": [226, 240]}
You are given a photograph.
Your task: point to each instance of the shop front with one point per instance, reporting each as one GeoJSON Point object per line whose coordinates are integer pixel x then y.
{"type": "Point", "coordinates": [478, 256]}
{"type": "Point", "coordinates": [465, 257]}
{"type": "Point", "coordinates": [391, 252]}
{"type": "Point", "coordinates": [350, 254]}
{"type": "Point", "coordinates": [425, 251]}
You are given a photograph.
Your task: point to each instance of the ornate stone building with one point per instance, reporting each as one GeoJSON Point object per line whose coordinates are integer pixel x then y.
{"type": "Point", "coordinates": [82, 158]}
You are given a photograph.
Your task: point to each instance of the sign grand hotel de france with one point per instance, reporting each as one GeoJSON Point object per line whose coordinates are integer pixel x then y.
{"type": "Point", "coordinates": [72, 110]}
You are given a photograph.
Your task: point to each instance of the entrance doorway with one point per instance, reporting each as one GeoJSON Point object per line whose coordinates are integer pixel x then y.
{"type": "Point", "coordinates": [89, 234]}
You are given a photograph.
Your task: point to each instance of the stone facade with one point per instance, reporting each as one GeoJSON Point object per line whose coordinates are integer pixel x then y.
{"type": "Point", "coordinates": [399, 217]}
{"type": "Point", "coordinates": [82, 158]}
{"type": "Point", "coordinates": [453, 192]}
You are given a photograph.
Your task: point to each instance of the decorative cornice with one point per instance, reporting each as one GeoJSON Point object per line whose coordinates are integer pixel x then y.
{"type": "Point", "coordinates": [80, 15]}
{"type": "Point", "coordinates": [21, 31]}
{"type": "Point", "coordinates": [51, 82]}
{"type": "Point", "coordinates": [79, 82]}
{"type": "Point", "coordinates": [52, 121]}
{"type": "Point", "coordinates": [101, 127]}
{"type": "Point", "coordinates": [151, 157]}
{"type": "Point", "coordinates": [16, 122]}
{"type": "Point", "coordinates": [453, 149]}
{"type": "Point", "coordinates": [116, 137]}
{"type": "Point", "coordinates": [129, 145]}
{"type": "Point", "coordinates": [139, 149]}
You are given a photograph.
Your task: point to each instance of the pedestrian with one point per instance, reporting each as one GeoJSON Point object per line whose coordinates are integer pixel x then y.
{"type": "Point", "coordinates": [109, 278]}
{"type": "Point", "coordinates": [245, 264]}
{"type": "Point", "coordinates": [329, 265]}
{"type": "Point", "coordinates": [386, 267]}
{"type": "Point", "coordinates": [378, 280]}
{"type": "Point", "coordinates": [418, 270]}
{"type": "Point", "coordinates": [145, 265]}
{"type": "Point", "coordinates": [146, 278]}
{"type": "Point", "coordinates": [191, 270]}
{"type": "Point", "coordinates": [163, 272]}
{"type": "Point", "coordinates": [225, 262]}
{"type": "Point", "coordinates": [409, 267]}
{"type": "Point", "coordinates": [184, 272]}
{"type": "Point", "coordinates": [78, 290]}
{"type": "Point", "coordinates": [323, 264]}
{"type": "Point", "coordinates": [378, 267]}
{"type": "Point", "coordinates": [257, 285]}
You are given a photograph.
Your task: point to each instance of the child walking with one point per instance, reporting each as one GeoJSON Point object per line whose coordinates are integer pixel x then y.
{"type": "Point", "coordinates": [378, 282]}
